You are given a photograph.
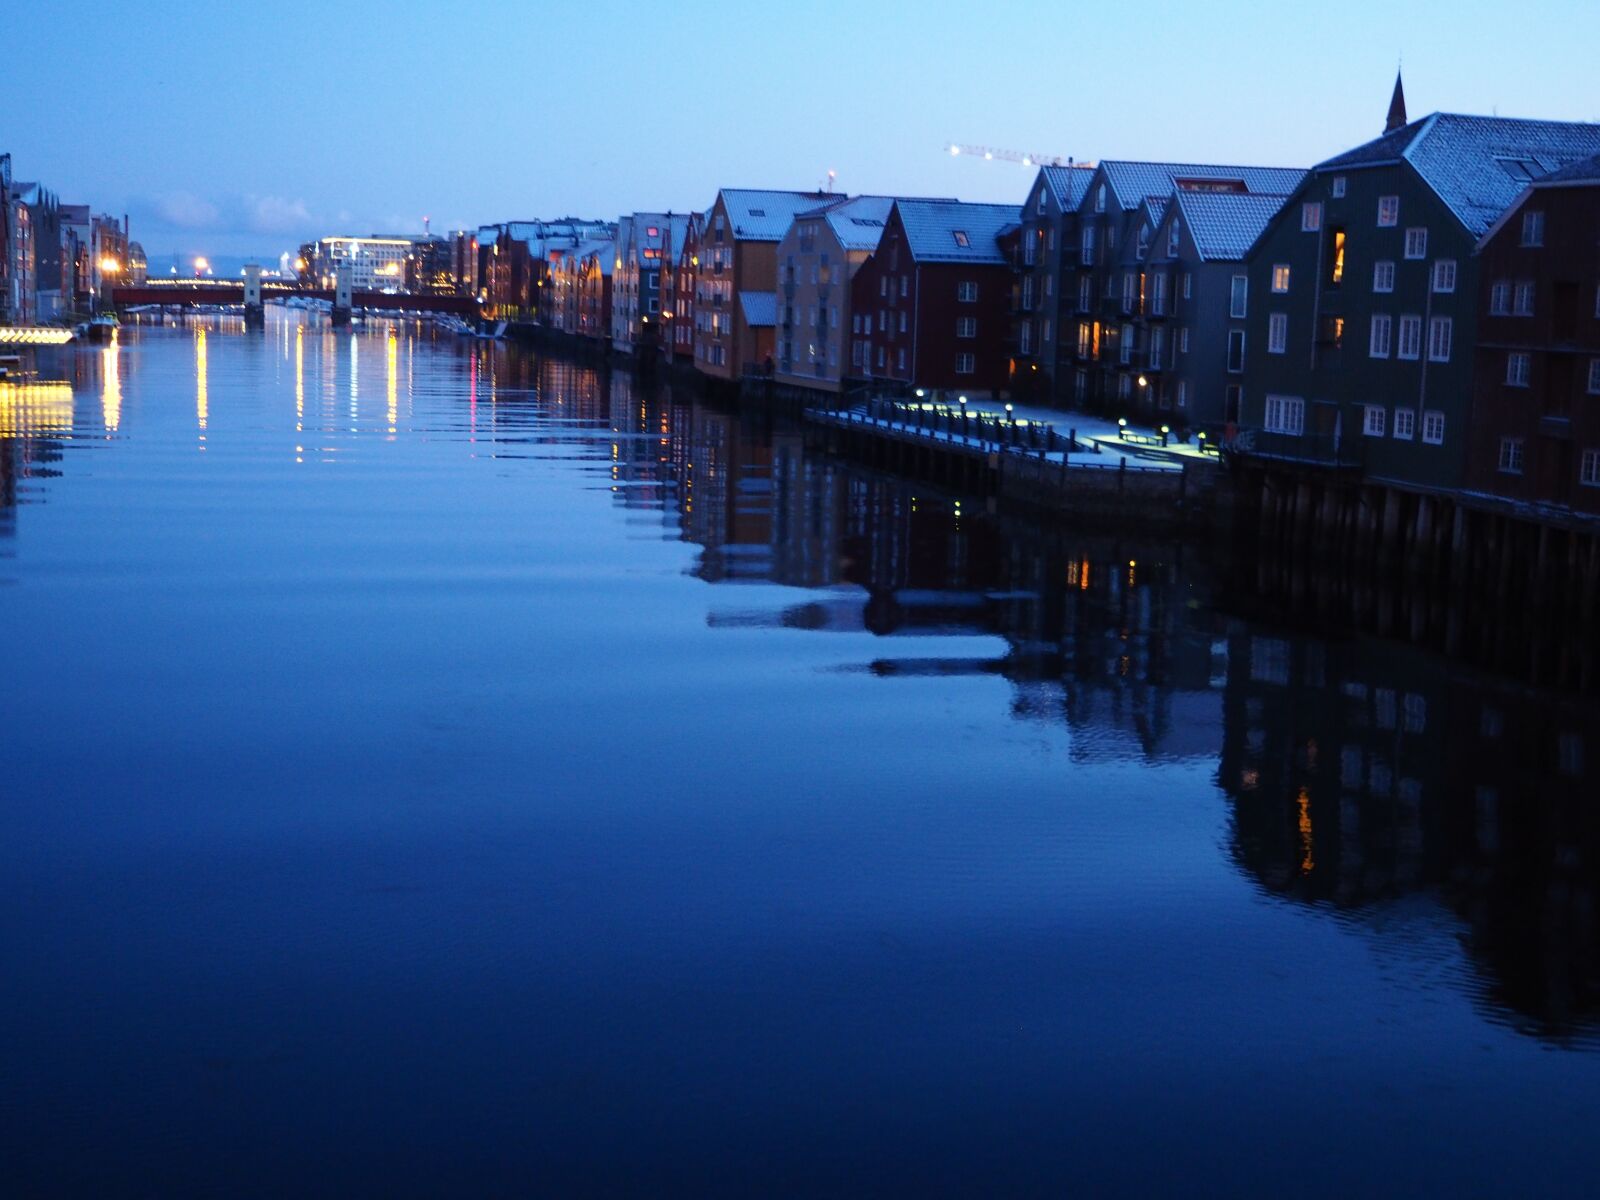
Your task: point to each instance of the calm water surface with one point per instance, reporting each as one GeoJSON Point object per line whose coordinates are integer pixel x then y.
{"type": "Point", "coordinates": [433, 770]}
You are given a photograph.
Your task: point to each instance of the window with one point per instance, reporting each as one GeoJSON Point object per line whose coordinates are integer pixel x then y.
{"type": "Point", "coordinates": [1375, 420]}
{"type": "Point", "coordinates": [1142, 247]}
{"type": "Point", "coordinates": [1183, 393]}
{"type": "Point", "coordinates": [1158, 294]}
{"type": "Point", "coordinates": [1338, 187]}
{"type": "Point", "coordinates": [1124, 387]}
{"type": "Point", "coordinates": [1158, 345]}
{"type": "Point", "coordinates": [1024, 336]}
{"type": "Point", "coordinates": [905, 285]}
{"type": "Point", "coordinates": [1043, 337]}
{"type": "Point", "coordinates": [1382, 333]}
{"type": "Point", "coordinates": [1125, 344]}
{"type": "Point", "coordinates": [1188, 283]}
{"type": "Point", "coordinates": [1280, 278]}
{"type": "Point", "coordinates": [1589, 469]}
{"type": "Point", "coordinates": [1405, 422]}
{"type": "Point", "coordinates": [1511, 456]}
{"type": "Point", "coordinates": [1311, 217]}
{"type": "Point", "coordinates": [1500, 298]}
{"type": "Point", "coordinates": [1330, 332]}
{"type": "Point", "coordinates": [1083, 339]}
{"type": "Point", "coordinates": [1085, 293]}
{"type": "Point", "coordinates": [883, 286]}
{"type": "Point", "coordinates": [966, 364]}
{"type": "Point", "coordinates": [1041, 200]}
{"type": "Point", "coordinates": [1183, 340]}
{"type": "Point", "coordinates": [967, 291]}
{"type": "Point", "coordinates": [1080, 386]}
{"type": "Point", "coordinates": [1383, 276]}
{"type": "Point", "coordinates": [900, 359]}
{"type": "Point", "coordinates": [1517, 369]}
{"type": "Point", "coordinates": [1285, 414]}
{"type": "Point", "coordinates": [1129, 290]}
{"type": "Point", "coordinates": [1522, 300]}
{"type": "Point", "coordinates": [1235, 351]}
{"type": "Point", "coordinates": [1594, 376]}
{"type": "Point", "coordinates": [1335, 257]}
{"type": "Point", "coordinates": [1277, 333]}
{"type": "Point", "coordinates": [1100, 199]}
{"type": "Point", "coordinates": [1533, 229]}
{"type": "Point", "coordinates": [967, 327]}
{"type": "Point", "coordinates": [1410, 337]}
{"type": "Point", "coordinates": [1444, 275]}
{"type": "Point", "coordinates": [961, 238]}
{"type": "Point", "coordinates": [903, 316]}
{"type": "Point", "coordinates": [1088, 246]}
{"type": "Point", "coordinates": [1417, 242]}
{"type": "Point", "coordinates": [1433, 427]}
{"type": "Point", "coordinates": [1439, 331]}
{"type": "Point", "coordinates": [1173, 237]}
{"type": "Point", "coordinates": [1238, 296]}
{"type": "Point", "coordinates": [1388, 210]}
{"type": "Point", "coordinates": [1030, 249]}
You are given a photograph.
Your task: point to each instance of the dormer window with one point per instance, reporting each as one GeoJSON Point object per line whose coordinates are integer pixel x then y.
{"type": "Point", "coordinates": [961, 238]}
{"type": "Point", "coordinates": [1100, 199]}
{"type": "Point", "coordinates": [758, 212]}
{"type": "Point", "coordinates": [1144, 241]}
{"type": "Point", "coordinates": [1174, 234]}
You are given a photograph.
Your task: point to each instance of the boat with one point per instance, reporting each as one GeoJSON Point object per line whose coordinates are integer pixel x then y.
{"type": "Point", "coordinates": [491, 334]}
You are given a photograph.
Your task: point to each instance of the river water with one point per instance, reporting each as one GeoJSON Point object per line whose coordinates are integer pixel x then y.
{"type": "Point", "coordinates": [432, 769]}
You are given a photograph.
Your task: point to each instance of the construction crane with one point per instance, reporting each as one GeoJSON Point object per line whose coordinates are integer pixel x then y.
{"type": "Point", "coordinates": [1016, 156]}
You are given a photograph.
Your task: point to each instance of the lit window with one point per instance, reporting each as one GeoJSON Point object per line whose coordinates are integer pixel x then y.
{"type": "Point", "coordinates": [961, 238]}
{"type": "Point", "coordinates": [1375, 420]}
{"type": "Point", "coordinates": [1388, 210]}
{"type": "Point", "coordinates": [1383, 276]}
{"type": "Point", "coordinates": [1311, 217]}
{"type": "Point", "coordinates": [1444, 275]}
{"type": "Point", "coordinates": [1433, 427]}
{"type": "Point", "coordinates": [1280, 278]}
{"type": "Point", "coordinates": [1517, 369]}
{"type": "Point", "coordinates": [1417, 242]}
{"type": "Point", "coordinates": [1533, 229]}
{"type": "Point", "coordinates": [1277, 333]}
{"type": "Point", "coordinates": [1511, 456]}
{"type": "Point", "coordinates": [1336, 259]}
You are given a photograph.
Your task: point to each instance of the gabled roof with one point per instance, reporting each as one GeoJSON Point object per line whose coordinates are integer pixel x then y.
{"type": "Point", "coordinates": [1153, 208]}
{"type": "Point", "coordinates": [950, 231]}
{"type": "Point", "coordinates": [1067, 184]}
{"type": "Point", "coordinates": [1133, 181]}
{"type": "Point", "coordinates": [765, 216]}
{"type": "Point", "coordinates": [1476, 165]}
{"type": "Point", "coordinates": [1223, 227]}
{"type": "Point", "coordinates": [760, 308]}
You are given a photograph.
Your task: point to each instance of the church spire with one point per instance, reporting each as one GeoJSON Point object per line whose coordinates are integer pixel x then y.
{"type": "Point", "coordinates": [1397, 106]}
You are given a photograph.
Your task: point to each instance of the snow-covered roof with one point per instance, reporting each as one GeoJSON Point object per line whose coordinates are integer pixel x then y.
{"type": "Point", "coordinates": [760, 308]}
{"type": "Point", "coordinates": [1476, 165]}
{"type": "Point", "coordinates": [1224, 226]}
{"type": "Point", "coordinates": [1133, 181]}
{"type": "Point", "coordinates": [950, 231]}
{"type": "Point", "coordinates": [765, 216]}
{"type": "Point", "coordinates": [1067, 184]}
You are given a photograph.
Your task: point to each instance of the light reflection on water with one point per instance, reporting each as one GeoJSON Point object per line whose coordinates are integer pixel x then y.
{"type": "Point", "coordinates": [489, 751]}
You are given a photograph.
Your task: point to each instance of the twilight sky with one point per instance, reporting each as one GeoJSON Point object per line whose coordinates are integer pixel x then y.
{"type": "Point", "coordinates": [242, 128]}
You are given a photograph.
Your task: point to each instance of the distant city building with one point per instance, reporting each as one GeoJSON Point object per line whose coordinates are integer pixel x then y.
{"type": "Point", "coordinates": [377, 263]}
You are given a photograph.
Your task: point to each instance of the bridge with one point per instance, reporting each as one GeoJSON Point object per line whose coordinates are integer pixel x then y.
{"type": "Point", "coordinates": [196, 293]}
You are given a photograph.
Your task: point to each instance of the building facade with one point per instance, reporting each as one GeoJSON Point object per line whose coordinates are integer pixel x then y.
{"type": "Point", "coordinates": [1363, 296]}
{"type": "Point", "coordinates": [931, 307]}
{"type": "Point", "coordinates": [1535, 430]}
{"type": "Point", "coordinates": [736, 279]}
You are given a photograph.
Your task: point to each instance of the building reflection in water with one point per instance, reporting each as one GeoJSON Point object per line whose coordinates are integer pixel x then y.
{"type": "Point", "coordinates": [1359, 774]}
{"type": "Point", "coordinates": [1362, 773]}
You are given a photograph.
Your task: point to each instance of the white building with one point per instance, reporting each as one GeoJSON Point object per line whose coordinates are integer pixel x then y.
{"type": "Point", "coordinates": [379, 262]}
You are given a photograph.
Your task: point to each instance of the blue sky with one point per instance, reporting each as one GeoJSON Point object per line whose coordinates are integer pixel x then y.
{"type": "Point", "coordinates": [233, 128]}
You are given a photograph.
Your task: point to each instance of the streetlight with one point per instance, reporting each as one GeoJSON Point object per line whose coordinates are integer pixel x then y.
{"type": "Point", "coordinates": [1165, 430]}
{"type": "Point", "coordinates": [1122, 427]}
{"type": "Point", "coordinates": [110, 265]}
